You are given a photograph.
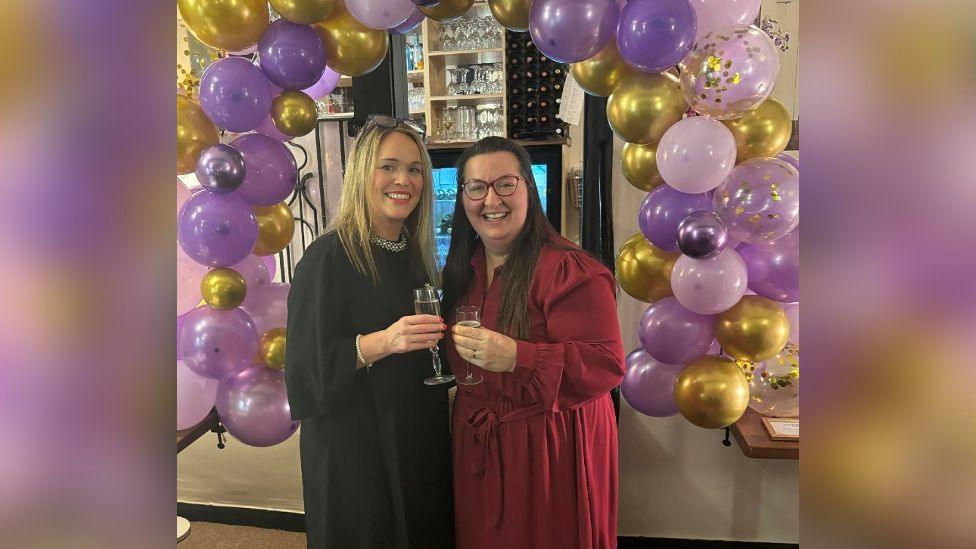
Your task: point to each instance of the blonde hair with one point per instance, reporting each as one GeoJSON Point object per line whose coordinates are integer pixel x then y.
{"type": "Point", "coordinates": [354, 220]}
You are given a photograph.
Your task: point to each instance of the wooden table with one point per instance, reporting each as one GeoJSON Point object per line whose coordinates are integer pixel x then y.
{"type": "Point", "coordinates": [186, 437]}
{"type": "Point", "coordinates": [754, 441]}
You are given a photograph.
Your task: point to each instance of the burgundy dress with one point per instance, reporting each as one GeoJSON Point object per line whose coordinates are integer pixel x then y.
{"type": "Point", "coordinates": [535, 450]}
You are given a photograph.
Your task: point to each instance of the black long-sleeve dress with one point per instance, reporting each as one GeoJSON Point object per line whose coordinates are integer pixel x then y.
{"type": "Point", "coordinates": [375, 445]}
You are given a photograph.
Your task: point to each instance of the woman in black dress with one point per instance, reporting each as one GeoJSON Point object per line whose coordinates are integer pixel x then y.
{"type": "Point", "coordinates": [375, 441]}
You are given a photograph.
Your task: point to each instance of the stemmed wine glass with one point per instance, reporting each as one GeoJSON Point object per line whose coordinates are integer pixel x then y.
{"type": "Point", "coordinates": [468, 315]}
{"type": "Point", "coordinates": [427, 302]}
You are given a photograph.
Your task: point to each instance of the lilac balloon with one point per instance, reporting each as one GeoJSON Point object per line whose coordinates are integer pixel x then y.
{"type": "Point", "coordinates": [292, 56]}
{"type": "Point", "coordinates": [663, 210]}
{"type": "Point", "coordinates": [648, 386]}
{"type": "Point", "coordinates": [268, 128]}
{"type": "Point", "coordinates": [702, 234]}
{"type": "Point", "coordinates": [569, 31]}
{"type": "Point", "coordinates": [235, 94]}
{"type": "Point", "coordinates": [380, 14]}
{"type": "Point", "coordinates": [793, 315]}
{"type": "Point", "coordinates": [715, 14]}
{"type": "Point", "coordinates": [195, 396]}
{"type": "Point", "coordinates": [426, 3]}
{"type": "Point", "coordinates": [709, 286]}
{"type": "Point", "coordinates": [253, 406]}
{"type": "Point", "coordinates": [729, 71]}
{"type": "Point", "coordinates": [216, 230]}
{"type": "Point", "coordinates": [654, 35]}
{"type": "Point", "coordinates": [182, 194]}
{"type": "Point", "coordinates": [326, 83]}
{"type": "Point", "coordinates": [674, 335]}
{"type": "Point", "coordinates": [220, 168]}
{"type": "Point", "coordinates": [271, 263]}
{"type": "Point", "coordinates": [774, 268]}
{"type": "Point", "coordinates": [791, 160]}
{"type": "Point", "coordinates": [696, 154]}
{"type": "Point", "coordinates": [217, 343]}
{"type": "Point", "coordinates": [268, 307]}
{"type": "Point", "coordinates": [189, 273]}
{"type": "Point", "coordinates": [180, 322]}
{"type": "Point", "coordinates": [271, 171]}
{"type": "Point", "coordinates": [635, 357]}
{"type": "Point", "coordinates": [255, 272]}
{"type": "Point", "coordinates": [759, 200]}
{"type": "Point", "coordinates": [415, 19]}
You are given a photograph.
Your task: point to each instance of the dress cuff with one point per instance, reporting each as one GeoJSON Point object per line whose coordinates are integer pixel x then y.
{"type": "Point", "coordinates": [525, 359]}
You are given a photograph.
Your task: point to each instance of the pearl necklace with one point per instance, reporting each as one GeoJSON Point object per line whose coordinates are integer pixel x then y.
{"type": "Point", "coordinates": [390, 245]}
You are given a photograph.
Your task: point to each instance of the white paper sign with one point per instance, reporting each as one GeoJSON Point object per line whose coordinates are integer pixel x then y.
{"type": "Point", "coordinates": [571, 104]}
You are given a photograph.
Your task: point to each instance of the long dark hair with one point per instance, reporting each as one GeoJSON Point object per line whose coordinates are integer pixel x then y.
{"type": "Point", "coordinates": [513, 317]}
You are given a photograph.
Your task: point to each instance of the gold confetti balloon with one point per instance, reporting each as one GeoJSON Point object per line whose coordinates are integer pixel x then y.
{"type": "Point", "coordinates": [600, 74]}
{"type": "Point", "coordinates": [759, 201]}
{"type": "Point", "coordinates": [643, 106]}
{"type": "Point", "coordinates": [711, 392]}
{"type": "Point", "coordinates": [446, 10]}
{"type": "Point", "coordinates": [763, 131]}
{"type": "Point", "coordinates": [271, 348]}
{"type": "Point", "coordinates": [754, 329]}
{"type": "Point", "coordinates": [229, 25]}
{"type": "Point", "coordinates": [223, 288]}
{"type": "Point", "coordinates": [774, 385]}
{"type": "Point", "coordinates": [352, 48]}
{"type": "Point", "coordinates": [294, 113]}
{"type": "Point", "coordinates": [643, 270]}
{"type": "Point", "coordinates": [276, 227]}
{"type": "Point", "coordinates": [639, 164]}
{"type": "Point", "coordinates": [194, 132]}
{"type": "Point", "coordinates": [304, 12]}
{"type": "Point", "coordinates": [511, 14]}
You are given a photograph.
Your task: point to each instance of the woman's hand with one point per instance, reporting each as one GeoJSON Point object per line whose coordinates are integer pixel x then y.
{"type": "Point", "coordinates": [484, 348]}
{"type": "Point", "coordinates": [413, 332]}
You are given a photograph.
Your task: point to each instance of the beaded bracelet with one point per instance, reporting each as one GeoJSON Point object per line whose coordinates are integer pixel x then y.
{"type": "Point", "coordinates": [359, 355]}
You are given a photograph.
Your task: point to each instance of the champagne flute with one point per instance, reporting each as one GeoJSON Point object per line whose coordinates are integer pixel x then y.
{"type": "Point", "coordinates": [468, 315]}
{"type": "Point", "coordinates": [426, 302]}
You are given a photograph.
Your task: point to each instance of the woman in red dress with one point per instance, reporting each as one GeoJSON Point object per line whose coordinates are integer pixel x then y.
{"type": "Point", "coordinates": [535, 443]}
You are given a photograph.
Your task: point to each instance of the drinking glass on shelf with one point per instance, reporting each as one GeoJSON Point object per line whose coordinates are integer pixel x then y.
{"type": "Point", "coordinates": [468, 315]}
{"type": "Point", "coordinates": [448, 120]}
{"type": "Point", "coordinates": [427, 302]}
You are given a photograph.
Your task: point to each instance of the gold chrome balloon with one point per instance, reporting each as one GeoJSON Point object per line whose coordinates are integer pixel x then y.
{"type": "Point", "coordinates": [447, 9]}
{"type": "Point", "coordinates": [276, 226]}
{"type": "Point", "coordinates": [639, 164]}
{"type": "Point", "coordinates": [223, 288]}
{"type": "Point", "coordinates": [294, 113]}
{"type": "Point", "coordinates": [754, 329]}
{"type": "Point", "coordinates": [711, 392]}
{"type": "Point", "coordinates": [600, 74]}
{"type": "Point", "coordinates": [304, 12]}
{"type": "Point", "coordinates": [231, 25]}
{"type": "Point", "coordinates": [352, 48]}
{"type": "Point", "coordinates": [511, 14]}
{"type": "Point", "coordinates": [643, 106]}
{"type": "Point", "coordinates": [194, 132]}
{"type": "Point", "coordinates": [271, 348]}
{"type": "Point", "coordinates": [763, 131]}
{"type": "Point", "coordinates": [643, 270]}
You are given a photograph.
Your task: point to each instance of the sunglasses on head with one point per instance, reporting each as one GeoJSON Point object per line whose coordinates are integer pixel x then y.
{"type": "Point", "coordinates": [389, 122]}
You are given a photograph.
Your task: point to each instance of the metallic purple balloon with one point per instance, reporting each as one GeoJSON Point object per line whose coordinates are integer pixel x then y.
{"type": "Point", "coordinates": [416, 18]}
{"type": "Point", "coordinates": [674, 335]}
{"type": "Point", "coordinates": [774, 268]}
{"type": "Point", "coordinates": [235, 94]}
{"type": "Point", "coordinates": [654, 35]}
{"type": "Point", "coordinates": [195, 396]}
{"type": "Point", "coordinates": [292, 56]}
{"type": "Point", "coordinates": [216, 343]}
{"type": "Point", "coordinates": [759, 200]}
{"type": "Point", "coordinates": [271, 169]}
{"type": "Point", "coordinates": [648, 386]}
{"type": "Point", "coordinates": [220, 168]}
{"type": "Point", "coordinates": [268, 306]}
{"type": "Point", "coordinates": [702, 234]}
{"type": "Point", "coordinates": [216, 230]}
{"type": "Point", "coordinates": [663, 210]}
{"type": "Point", "coordinates": [253, 406]}
{"type": "Point", "coordinates": [569, 31]}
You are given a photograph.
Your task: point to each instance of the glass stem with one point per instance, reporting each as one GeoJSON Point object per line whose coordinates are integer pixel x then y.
{"type": "Point", "coordinates": [437, 361]}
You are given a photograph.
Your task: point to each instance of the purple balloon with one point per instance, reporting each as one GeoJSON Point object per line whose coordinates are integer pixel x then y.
{"type": "Point", "coordinates": [254, 269]}
{"type": "Point", "coordinates": [269, 129]}
{"type": "Point", "coordinates": [220, 168]}
{"type": "Point", "coordinates": [654, 35]}
{"type": "Point", "coordinates": [426, 3]}
{"type": "Point", "coordinates": [189, 273]}
{"type": "Point", "coordinates": [292, 56]}
{"type": "Point", "coordinates": [253, 406]}
{"type": "Point", "coordinates": [235, 94]}
{"type": "Point", "coordinates": [271, 262]}
{"type": "Point", "coordinates": [663, 210]}
{"type": "Point", "coordinates": [416, 18]}
{"type": "Point", "coordinates": [696, 154]}
{"type": "Point", "coordinates": [326, 83]}
{"type": "Point", "coordinates": [793, 314]}
{"type": "Point", "coordinates": [648, 386]}
{"type": "Point", "coordinates": [217, 343]}
{"type": "Point", "coordinates": [792, 161]}
{"type": "Point", "coordinates": [759, 200]}
{"type": "Point", "coordinates": [702, 234]}
{"type": "Point", "coordinates": [216, 230]}
{"type": "Point", "coordinates": [674, 335]}
{"type": "Point", "coordinates": [268, 307]}
{"type": "Point", "coordinates": [709, 286]}
{"type": "Point", "coordinates": [774, 268]}
{"type": "Point", "coordinates": [380, 14]}
{"type": "Point", "coordinates": [716, 14]}
{"type": "Point", "coordinates": [195, 396]}
{"type": "Point", "coordinates": [569, 31]}
{"type": "Point", "coordinates": [271, 171]}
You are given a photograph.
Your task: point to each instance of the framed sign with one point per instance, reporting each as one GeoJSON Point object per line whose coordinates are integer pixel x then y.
{"type": "Point", "coordinates": [782, 428]}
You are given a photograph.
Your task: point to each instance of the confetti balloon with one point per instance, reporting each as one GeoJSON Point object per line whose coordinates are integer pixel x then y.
{"type": "Point", "coordinates": [759, 200]}
{"type": "Point", "coordinates": [774, 385]}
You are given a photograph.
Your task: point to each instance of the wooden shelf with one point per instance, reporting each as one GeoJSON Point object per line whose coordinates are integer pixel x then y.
{"type": "Point", "coordinates": [344, 82]}
{"type": "Point", "coordinates": [415, 77]}
{"type": "Point", "coordinates": [754, 441]}
{"type": "Point", "coordinates": [473, 98]}
{"type": "Point", "coordinates": [419, 112]}
{"type": "Point", "coordinates": [464, 52]}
